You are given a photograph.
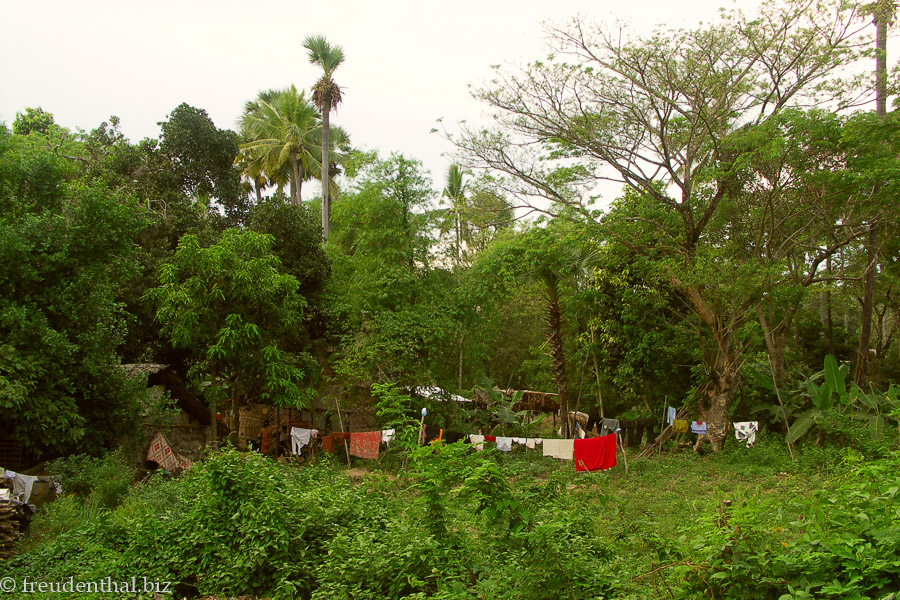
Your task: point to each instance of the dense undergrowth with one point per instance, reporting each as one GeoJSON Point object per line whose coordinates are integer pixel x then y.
{"type": "Point", "coordinates": [456, 524]}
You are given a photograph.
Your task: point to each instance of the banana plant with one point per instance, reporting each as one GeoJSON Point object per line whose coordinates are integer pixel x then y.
{"type": "Point", "coordinates": [833, 394]}
{"type": "Point", "coordinates": [822, 397]}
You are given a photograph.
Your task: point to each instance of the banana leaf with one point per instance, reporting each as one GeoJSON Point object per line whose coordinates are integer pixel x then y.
{"type": "Point", "coordinates": [833, 375]}
{"type": "Point", "coordinates": [802, 424]}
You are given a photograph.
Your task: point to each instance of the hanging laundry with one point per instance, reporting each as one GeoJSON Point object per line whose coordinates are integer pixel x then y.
{"type": "Point", "coordinates": [299, 438]}
{"type": "Point", "coordinates": [558, 448]}
{"type": "Point", "coordinates": [22, 486]}
{"type": "Point", "coordinates": [432, 433]}
{"type": "Point", "coordinates": [671, 413]}
{"type": "Point", "coordinates": [364, 444]}
{"type": "Point", "coordinates": [477, 441]}
{"type": "Point", "coordinates": [680, 426]}
{"type": "Point", "coordinates": [328, 444]}
{"type": "Point", "coordinates": [490, 438]}
{"type": "Point", "coordinates": [745, 431]}
{"type": "Point", "coordinates": [595, 454]}
{"type": "Point", "coordinates": [266, 440]}
{"type": "Point", "coordinates": [519, 440]}
{"type": "Point", "coordinates": [387, 435]}
{"type": "Point", "coordinates": [698, 427]}
{"type": "Point", "coordinates": [608, 426]}
{"type": "Point", "coordinates": [531, 443]}
{"type": "Point", "coordinates": [504, 444]}
{"type": "Point", "coordinates": [161, 453]}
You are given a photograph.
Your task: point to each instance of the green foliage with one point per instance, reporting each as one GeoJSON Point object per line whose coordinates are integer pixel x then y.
{"type": "Point", "coordinates": [33, 120]}
{"type": "Point", "coordinates": [395, 411]}
{"type": "Point", "coordinates": [297, 244]}
{"type": "Point", "coordinates": [202, 158]}
{"type": "Point", "coordinates": [229, 305]}
{"type": "Point", "coordinates": [390, 302]}
{"type": "Point", "coordinates": [841, 542]}
{"type": "Point", "coordinates": [99, 481]}
{"type": "Point", "coordinates": [240, 524]}
{"type": "Point", "coordinates": [66, 253]}
{"type": "Point", "coordinates": [840, 412]}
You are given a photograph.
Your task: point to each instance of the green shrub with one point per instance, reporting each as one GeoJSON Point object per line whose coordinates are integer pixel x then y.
{"type": "Point", "coordinates": [841, 542]}
{"type": "Point", "coordinates": [102, 481]}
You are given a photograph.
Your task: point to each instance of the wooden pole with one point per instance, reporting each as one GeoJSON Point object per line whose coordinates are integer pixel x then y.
{"type": "Point", "coordinates": [624, 456]}
{"type": "Point", "coordinates": [337, 405]}
{"type": "Point", "coordinates": [422, 428]}
{"type": "Point", "coordinates": [790, 445]}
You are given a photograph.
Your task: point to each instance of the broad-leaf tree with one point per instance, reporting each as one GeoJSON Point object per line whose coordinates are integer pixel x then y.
{"type": "Point", "coordinates": [667, 117]}
{"type": "Point", "coordinates": [66, 252]}
{"type": "Point", "coordinates": [229, 305]}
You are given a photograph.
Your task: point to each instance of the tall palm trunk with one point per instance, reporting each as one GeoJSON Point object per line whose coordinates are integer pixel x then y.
{"type": "Point", "coordinates": [557, 353]}
{"type": "Point", "coordinates": [883, 14]}
{"type": "Point", "coordinates": [882, 19]}
{"type": "Point", "coordinates": [326, 201]}
{"type": "Point", "coordinates": [296, 180]}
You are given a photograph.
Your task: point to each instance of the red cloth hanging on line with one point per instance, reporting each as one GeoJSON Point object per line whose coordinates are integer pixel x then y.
{"type": "Point", "coordinates": [595, 454]}
{"type": "Point", "coordinates": [364, 444]}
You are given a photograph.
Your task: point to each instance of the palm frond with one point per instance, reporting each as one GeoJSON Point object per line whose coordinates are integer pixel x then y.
{"type": "Point", "coordinates": [322, 53]}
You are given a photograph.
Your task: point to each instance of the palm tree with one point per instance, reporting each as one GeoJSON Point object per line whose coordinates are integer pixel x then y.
{"type": "Point", "coordinates": [455, 192]}
{"type": "Point", "coordinates": [883, 13]}
{"type": "Point", "coordinates": [326, 95]}
{"type": "Point", "coordinates": [281, 129]}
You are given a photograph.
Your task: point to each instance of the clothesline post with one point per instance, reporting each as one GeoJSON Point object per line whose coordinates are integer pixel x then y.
{"type": "Point", "coordinates": [621, 445]}
{"type": "Point", "coordinates": [422, 426]}
{"type": "Point", "coordinates": [337, 405]}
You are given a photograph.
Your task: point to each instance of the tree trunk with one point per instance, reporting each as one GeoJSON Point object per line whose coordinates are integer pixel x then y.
{"type": "Point", "coordinates": [868, 305]}
{"type": "Point", "coordinates": [883, 12]}
{"type": "Point", "coordinates": [326, 201]}
{"type": "Point", "coordinates": [775, 342]}
{"type": "Point", "coordinates": [460, 372]}
{"type": "Point", "coordinates": [557, 354]}
{"type": "Point", "coordinates": [724, 369]}
{"type": "Point", "coordinates": [830, 321]}
{"type": "Point", "coordinates": [213, 423]}
{"type": "Point", "coordinates": [723, 381]}
{"type": "Point", "coordinates": [597, 375]}
{"type": "Point", "coordinates": [295, 180]}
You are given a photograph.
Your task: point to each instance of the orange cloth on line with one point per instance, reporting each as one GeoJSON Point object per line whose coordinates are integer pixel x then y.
{"type": "Point", "coordinates": [365, 444]}
{"type": "Point", "coordinates": [595, 454]}
{"type": "Point", "coordinates": [328, 444]}
{"type": "Point", "coordinates": [266, 435]}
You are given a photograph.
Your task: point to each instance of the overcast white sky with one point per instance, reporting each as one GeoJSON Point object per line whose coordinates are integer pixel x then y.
{"type": "Point", "coordinates": [408, 62]}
